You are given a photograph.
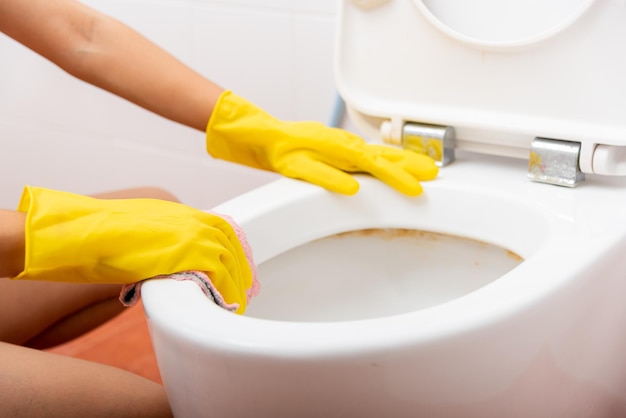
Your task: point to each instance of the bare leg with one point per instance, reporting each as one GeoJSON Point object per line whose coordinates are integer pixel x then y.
{"type": "Point", "coordinates": [42, 314]}
{"type": "Point", "coordinates": [38, 384]}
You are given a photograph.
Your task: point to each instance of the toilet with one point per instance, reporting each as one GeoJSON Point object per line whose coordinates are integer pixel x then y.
{"type": "Point", "coordinates": [499, 292]}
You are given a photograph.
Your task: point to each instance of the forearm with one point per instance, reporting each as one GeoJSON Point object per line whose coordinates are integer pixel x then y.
{"type": "Point", "coordinates": [11, 242]}
{"type": "Point", "coordinates": [106, 53]}
{"type": "Point", "coordinates": [125, 63]}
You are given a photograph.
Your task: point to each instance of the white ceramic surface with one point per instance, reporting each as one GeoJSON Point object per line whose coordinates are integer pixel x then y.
{"type": "Point", "coordinates": [543, 340]}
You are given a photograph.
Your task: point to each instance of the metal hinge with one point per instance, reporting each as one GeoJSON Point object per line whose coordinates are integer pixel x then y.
{"type": "Point", "coordinates": [436, 141]}
{"type": "Point", "coordinates": [555, 161]}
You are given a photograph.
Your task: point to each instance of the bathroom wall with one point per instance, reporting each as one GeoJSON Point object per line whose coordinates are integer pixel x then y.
{"type": "Point", "coordinates": [58, 132]}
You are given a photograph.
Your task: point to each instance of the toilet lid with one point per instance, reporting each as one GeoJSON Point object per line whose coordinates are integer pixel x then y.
{"type": "Point", "coordinates": [501, 72]}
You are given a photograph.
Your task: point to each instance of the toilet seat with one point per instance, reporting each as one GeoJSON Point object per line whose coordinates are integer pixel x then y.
{"type": "Point", "coordinates": [395, 64]}
{"type": "Point", "coordinates": [545, 228]}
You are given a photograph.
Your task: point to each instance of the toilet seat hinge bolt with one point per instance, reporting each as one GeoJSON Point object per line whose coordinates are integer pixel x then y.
{"type": "Point", "coordinates": [555, 161]}
{"type": "Point", "coordinates": [436, 141]}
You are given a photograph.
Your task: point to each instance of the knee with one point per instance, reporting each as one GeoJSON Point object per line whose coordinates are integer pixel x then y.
{"type": "Point", "coordinates": [146, 192]}
{"type": "Point", "coordinates": [156, 193]}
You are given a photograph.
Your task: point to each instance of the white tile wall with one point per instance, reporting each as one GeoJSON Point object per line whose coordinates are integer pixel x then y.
{"type": "Point", "coordinates": [58, 132]}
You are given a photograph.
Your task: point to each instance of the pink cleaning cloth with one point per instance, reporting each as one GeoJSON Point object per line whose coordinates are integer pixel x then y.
{"type": "Point", "coordinates": [131, 293]}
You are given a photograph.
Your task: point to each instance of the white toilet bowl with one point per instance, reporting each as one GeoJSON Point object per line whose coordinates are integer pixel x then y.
{"type": "Point", "coordinates": [489, 296]}
{"type": "Point", "coordinates": [401, 324]}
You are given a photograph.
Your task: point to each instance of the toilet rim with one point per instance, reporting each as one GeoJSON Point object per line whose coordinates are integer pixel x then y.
{"type": "Point", "coordinates": [174, 307]}
{"type": "Point", "coordinates": [284, 201]}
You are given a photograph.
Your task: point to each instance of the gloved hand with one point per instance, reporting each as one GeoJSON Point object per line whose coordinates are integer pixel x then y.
{"type": "Point", "coordinates": [76, 238]}
{"type": "Point", "coordinates": [240, 132]}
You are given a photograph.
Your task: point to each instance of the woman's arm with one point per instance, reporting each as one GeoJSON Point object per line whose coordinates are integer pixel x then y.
{"type": "Point", "coordinates": [104, 52]}
{"type": "Point", "coordinates": [11, 242]}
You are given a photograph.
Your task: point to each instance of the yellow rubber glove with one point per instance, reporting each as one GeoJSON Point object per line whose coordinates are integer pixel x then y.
{"type": "Point", "coordinates": [240, 132]}
{"type": "Point", "coordinates": [76, 238]}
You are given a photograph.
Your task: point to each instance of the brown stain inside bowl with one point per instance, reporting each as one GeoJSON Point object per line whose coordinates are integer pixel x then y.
{"type": "Point", "coordinates": [395, 233]}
